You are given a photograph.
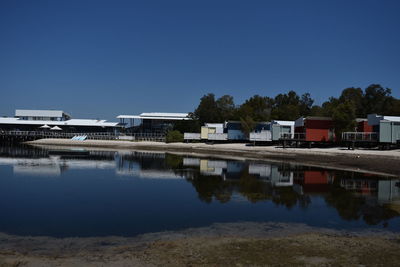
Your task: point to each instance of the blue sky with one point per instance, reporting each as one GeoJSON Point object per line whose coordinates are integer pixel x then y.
{"type": "Point", "coordinates": [98, 59]}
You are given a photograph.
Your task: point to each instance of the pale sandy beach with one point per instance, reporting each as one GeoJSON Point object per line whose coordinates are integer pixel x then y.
{"type": "Point", "coordinates": [370, 160]}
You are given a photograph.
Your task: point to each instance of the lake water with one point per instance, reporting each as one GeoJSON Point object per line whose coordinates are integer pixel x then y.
{"type": "Point", "coordinates": [102, 193]}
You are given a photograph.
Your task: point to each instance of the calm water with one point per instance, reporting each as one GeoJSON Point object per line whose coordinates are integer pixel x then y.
{"type": "Point", "coordinates": [107, 193]}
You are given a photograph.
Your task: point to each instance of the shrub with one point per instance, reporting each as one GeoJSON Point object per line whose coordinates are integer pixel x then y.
{"type": "Point", "coordinates": [174, 136]}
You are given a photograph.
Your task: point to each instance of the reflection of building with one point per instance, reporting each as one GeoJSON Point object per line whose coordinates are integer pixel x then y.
{"type": "Point", "coordinates": [53, 166]}
{"type": "Point", "coordinates": [363, 186]}
{"type": "Point", "coordinates": [272, 173]}
{"type": "Point", "coordinates": [145, 165]}
{"type": "Point", "coordinates": [380, 192]}
{"type": "Point", "coordinates": [227, 169]}
{"type": "Point", "coordinates": [389, 191]}
{"type": "Point", "coordinates": [314, 181]}
{"type": "Point", "coordinates": [213, 167]}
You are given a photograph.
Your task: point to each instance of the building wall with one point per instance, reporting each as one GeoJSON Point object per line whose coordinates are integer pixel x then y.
{"type": "Point", "coordinates": [318, 135]}
{"type": "Point", "coordinates": [385, 132]}
{"type": "Point", "coordinates": [299, 129]}
{"type": "Point", "coordinates": [236, 135]}
{"type": "Point", "coordinates": [318, 124]}
{"type": "Point", "coordinates": [363, 126]}
{"type": "Point", "coordinates": [205, 131]}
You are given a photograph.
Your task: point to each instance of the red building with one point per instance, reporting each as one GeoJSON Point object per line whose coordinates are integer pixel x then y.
{"type": "Point", "coordinates": [363, 126]}
{"type": "Point", "coordinates": [315, 129]}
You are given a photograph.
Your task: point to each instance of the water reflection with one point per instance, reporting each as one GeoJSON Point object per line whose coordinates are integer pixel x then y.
{"type": "Point", "coordinates": [355, 196]}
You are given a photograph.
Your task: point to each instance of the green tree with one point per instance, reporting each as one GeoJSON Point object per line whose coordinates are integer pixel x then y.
{"type": "Point", "coordinates": [257, 107]}
{"type": "Point", "coordinates": [248, 125]}
{"type": "Point", "coordinates": [306, 103]}
{"type": "Point", "coordinates": [355, 96]}
{"type": "Point", "coordinates": [226, 108]}
{"type": "Point", "coordinates": [344, 118]}
{"type": "Point", "coordinates": [288, 106]}
{"type": "Point", "coordinates": [329, 106]}
{"type": "Point", "coordinates": [174, 136]}
{"type": "Point", "coordinates": [188, 126]}
{"type": "Point", "coordinates": [377, 99]}
{"type": "Point", "coordinates": [207, 111]}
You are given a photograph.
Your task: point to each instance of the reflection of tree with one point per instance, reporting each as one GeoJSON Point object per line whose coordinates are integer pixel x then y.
{"type": "Point", "coordinates": [208, 187]}
{"type": "Point", "coordinates": [250, 186]}
{"type": "Point", "coordinates": [346, 203]}
{"type": "Point", "coordinates": [286, 196]}
{"type": "Point", "coordinates": [173, 161]}
{"type": "Point", "coordinates": [354, 207]}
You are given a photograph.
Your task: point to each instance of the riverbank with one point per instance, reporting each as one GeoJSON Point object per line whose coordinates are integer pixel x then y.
{"type": "Point", "coordinates": [228, 244]}
{"type": "Point", "coordinates": [374, 161]}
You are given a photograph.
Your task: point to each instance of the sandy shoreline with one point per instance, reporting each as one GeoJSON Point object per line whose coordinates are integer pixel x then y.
{"type": "Point", "coordinates": [385, 162]}
{"type": "Point", "coordinates": [226, 243]}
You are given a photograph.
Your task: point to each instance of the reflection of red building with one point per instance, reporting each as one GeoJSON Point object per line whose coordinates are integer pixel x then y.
{"type": "Point", "coordinates": [362, 186]}
{"type": "Point", "coordinates": [314, 181]}
{"type": "Point", "coordinates": [315, 129]}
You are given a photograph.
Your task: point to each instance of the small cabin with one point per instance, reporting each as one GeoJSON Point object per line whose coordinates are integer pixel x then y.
{"type": "Point", "coordinates": [234, 131]}
{"type": "Point", "coordinates": [387, 127]}
{"type": "Point", "coordinates": [272, 131]}
{"type": "Point", "coordinates": [228, 131]}
{"type": "Point", "coordinates": [211, 128]}
{"type": "Point", "coordinates": [314, 129]}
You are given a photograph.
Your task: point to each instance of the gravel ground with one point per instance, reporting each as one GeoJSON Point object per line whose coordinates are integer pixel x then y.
{"type": "Point", "coordinates": [228, 244]}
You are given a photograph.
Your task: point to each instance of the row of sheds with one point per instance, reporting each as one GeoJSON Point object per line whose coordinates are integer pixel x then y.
{"type": "Point", "coordinates": [376, 128]}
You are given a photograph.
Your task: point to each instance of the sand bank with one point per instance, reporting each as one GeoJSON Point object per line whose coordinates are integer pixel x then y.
{"type": "Point", "coordinates": [376, 161]}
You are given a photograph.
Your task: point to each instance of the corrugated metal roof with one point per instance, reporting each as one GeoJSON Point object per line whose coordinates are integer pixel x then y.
{"type": "Point", "coordinates": [72, 122]}
{"type": "Point", "coordinates": [164, 114]}
{"type": "Point", "coordinates": [318, 118]}
{"type": "Point", "coordinates": [391, 118]}
{"type": "Point", "coordinates": [284, 123]}
{"type": "Point", "coordinates": [157, 116]}
{"type": "Point", "coordinates": [39, 113]}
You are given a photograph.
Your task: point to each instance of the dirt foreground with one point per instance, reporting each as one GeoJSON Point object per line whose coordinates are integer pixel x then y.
{"type": "Point", "coordinates": [373, 161]}
{"type": "Point", "coordinates": [229, 244]}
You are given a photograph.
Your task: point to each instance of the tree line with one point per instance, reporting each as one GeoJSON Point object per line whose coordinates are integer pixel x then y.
{"type": "Point", "coordinates": [351, 104]}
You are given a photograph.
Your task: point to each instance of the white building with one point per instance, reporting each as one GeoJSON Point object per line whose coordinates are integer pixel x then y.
{"type": "Point", "coordinates": [33, 120]}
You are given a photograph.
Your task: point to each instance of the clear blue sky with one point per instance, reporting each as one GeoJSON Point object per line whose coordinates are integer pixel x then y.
{"type": "Point", "coordinates": [98, 59]}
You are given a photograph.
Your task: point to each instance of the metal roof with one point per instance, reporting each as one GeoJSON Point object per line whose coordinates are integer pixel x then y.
{"type": "Point", "coordinates": [39, 113]}
{"type": "Point", "coordinates": [391, 118]}
{"type": "Point", "coordinates": [157, 116]}
{"type": "Point", "coordinates": [374, 119]}
{"type": "Point", "coordinates": [164, 114]}
{"type": "Point", "coordinates": [72, 122]}
{"type": "Point", "coordinates": [283, 123]}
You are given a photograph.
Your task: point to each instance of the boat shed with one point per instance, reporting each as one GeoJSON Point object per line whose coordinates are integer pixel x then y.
{"type": "Point", "coordinates": [387, 127]}
{"type": "Point", "coordinates": [227, 131]}
{"type": "Point", "coordinates": [152, 122]}
{"type": "Point", "coordinates": [234, 131]}
{"type": "Point", "coordinates": [213, 131]}
{"type": "Point", "coordinates": [314, 129]}
{"type": "Point", "coordinates": [272, 131]}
